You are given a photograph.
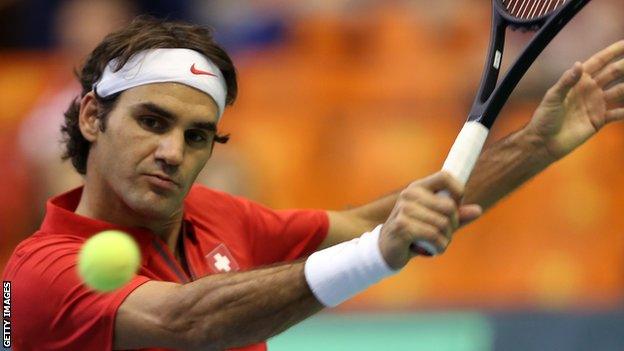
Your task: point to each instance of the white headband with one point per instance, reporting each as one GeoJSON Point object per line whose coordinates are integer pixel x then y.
{"type": "Point", "coordinates": [183, 66]}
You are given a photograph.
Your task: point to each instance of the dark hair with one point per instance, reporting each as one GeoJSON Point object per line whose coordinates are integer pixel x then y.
{"type": "Point", "coordinates": [143, 33]}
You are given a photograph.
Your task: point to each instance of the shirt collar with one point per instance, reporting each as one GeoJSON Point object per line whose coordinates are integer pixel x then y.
{"type": "Point", "coordinates": [60, 218]}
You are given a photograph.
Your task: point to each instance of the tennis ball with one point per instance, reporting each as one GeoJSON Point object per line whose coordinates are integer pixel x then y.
{"type": "Point", "coordinates": [108, 260]}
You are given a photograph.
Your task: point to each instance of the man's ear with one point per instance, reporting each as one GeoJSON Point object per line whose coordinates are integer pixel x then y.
{"type": "Point", "coordinates": [87, 117]}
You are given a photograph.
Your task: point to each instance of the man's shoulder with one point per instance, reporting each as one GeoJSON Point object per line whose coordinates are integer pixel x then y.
{"type": "Point", "coordinates": [40, 252]}
{"type": "Point", "coordinates": [199, 191]}
{"type": "Point", "coordinates": [44, 241]}
{"type": "Point", "coordinates": [203, 197]}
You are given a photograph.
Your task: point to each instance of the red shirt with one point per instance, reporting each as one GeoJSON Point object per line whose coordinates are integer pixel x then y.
{"type": "Point", "coordinates": [53, 310]}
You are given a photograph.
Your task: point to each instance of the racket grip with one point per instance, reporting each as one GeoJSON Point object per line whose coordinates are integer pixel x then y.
{"type": "Point", "coordinates": [459, 163]}
{"type": "Point", "coordinates": [465, 151]}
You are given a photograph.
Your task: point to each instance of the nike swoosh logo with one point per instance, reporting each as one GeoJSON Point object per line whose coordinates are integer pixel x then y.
{"type": "Point", "coordinates": [199, 71]}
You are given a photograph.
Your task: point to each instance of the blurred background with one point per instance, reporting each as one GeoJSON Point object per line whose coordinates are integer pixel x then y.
{"type": "Point", "coordinates": [341, 102]}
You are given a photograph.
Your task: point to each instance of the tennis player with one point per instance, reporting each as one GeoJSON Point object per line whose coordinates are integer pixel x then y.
{"type": "Point", "coordinates": [219, 271]}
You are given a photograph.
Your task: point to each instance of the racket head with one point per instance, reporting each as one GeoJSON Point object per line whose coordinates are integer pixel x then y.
{"type": "Point", "coordinates": [493, 94]}
{"type": "Point", "coordinates": [528, 14]}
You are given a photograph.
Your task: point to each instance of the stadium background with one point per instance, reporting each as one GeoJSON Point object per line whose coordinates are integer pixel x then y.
{"type": "Point", "coordinates": [341, 102]}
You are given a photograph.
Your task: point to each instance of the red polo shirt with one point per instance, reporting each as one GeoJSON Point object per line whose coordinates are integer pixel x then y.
{"type": "Point", "coordinates": [53, 310]}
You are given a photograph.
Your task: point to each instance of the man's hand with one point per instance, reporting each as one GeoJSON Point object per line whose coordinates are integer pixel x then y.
{"type": "Point", "coordinates": [421, 215]}
{"type": "Point", "coordinates": [586, 98]}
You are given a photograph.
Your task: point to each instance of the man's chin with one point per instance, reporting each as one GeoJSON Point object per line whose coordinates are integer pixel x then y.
{"type": "Point", "coordinates": [155, 205]}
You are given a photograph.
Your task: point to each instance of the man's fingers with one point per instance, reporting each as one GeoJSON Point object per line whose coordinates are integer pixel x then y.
{"type": "Point", "coordinates": [614, 96]}
{"type": "Point", "coordinates": [611, 74]}
{"type": "Point", "coordinates": [442, 181]}
{"type": "Point", "coordinates": [444, 205]}
{"type": "Point", "coordinates": [468, 213]}
{"type": "Point", "coordinates": [445, 224]}
{"type": "Point", "coordinates": [615, 115]}
{"type": "Point", "coordinates": [601, 59]}
{"type": "Point", "coordinates": [427, 217]}
{"type": "Point", "coordinates": [567, 81]}
{"type": "Point", "coordinates": [438, 203]}
{"type": "Point", "coordinates": [436, 243]}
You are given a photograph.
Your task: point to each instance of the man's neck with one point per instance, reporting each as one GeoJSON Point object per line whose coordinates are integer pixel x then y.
{"type": "Point", "coordinates": [92, 205]}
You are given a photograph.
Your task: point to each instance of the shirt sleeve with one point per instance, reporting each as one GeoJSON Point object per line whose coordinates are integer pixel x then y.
{"type": "Point", "coordinates": [53, 309]}
{"type": "Point", "coordinates": [284, 235]}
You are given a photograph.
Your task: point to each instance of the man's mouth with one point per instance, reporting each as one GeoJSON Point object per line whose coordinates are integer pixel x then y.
{"type": "Point", "coordinates": [161, 181]}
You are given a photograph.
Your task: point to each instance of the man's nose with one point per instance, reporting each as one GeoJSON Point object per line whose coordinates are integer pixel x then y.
{"type": "Point", "coordinates": [171, 148]}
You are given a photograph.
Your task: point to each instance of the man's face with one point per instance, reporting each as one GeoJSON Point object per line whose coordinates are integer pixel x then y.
{"type": "Point", "coordinates": [157, 139]}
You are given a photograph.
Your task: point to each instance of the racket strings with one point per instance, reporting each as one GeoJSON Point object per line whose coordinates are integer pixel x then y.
{"type": "Point", "coordinates": [531, 9]}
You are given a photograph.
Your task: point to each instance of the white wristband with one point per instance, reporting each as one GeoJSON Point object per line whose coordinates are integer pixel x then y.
{"type": "Point", "coordinates": [339, 272]}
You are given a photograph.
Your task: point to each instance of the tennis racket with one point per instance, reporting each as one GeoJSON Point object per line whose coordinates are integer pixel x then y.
{"type": "Point", "coordinates": [544, 17]}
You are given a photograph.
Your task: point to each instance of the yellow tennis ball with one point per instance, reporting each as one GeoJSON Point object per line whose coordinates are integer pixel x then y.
{"type": "Point", "coordinates": [108, 260]}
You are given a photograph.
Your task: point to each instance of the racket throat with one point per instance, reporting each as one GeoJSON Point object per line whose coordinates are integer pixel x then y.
{"type": "Point", "coordinates": [494, 61]}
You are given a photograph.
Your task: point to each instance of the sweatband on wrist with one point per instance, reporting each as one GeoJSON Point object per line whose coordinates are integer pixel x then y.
{"type": "Point", "coordinates": [339, 272]}
{"type": "Point", "coordinates": [176, 65]}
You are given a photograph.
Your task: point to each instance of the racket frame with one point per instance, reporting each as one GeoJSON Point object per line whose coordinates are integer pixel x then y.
{"type": "Point", "coordinates": [491, 97]}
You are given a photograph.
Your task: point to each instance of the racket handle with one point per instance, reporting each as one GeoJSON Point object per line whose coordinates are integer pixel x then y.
{"type": "Point", "coordinates": [459, 163]}
{"type": "Point", "coordinates": [465, 151]}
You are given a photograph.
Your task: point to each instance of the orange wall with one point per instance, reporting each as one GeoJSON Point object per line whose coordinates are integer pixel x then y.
{"type": "Point", "coordinates": [347, 111]}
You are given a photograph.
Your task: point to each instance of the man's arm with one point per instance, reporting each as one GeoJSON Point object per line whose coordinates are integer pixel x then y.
{"type": "Point", "coordinates": [348, 224]}
{"type": "Point", "coordinates": [237, 309]}
{"type": "Point", "coordinates": [216, 312]}
{"type": "Point", "coordinates": [501, 169]}
{"type": "Point", "coordinates": [586, 98]}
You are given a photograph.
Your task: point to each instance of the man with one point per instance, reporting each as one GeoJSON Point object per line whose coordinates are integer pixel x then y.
{"type": "Point", "coordinates": [144, 127]}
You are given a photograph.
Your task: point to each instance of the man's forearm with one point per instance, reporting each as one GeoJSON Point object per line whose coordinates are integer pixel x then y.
{"type": "Point", "coordinates": [505, 166]}
{"type": "Point", "coordinates": [500, 169]}
{"type": "Point", "coordinates": [349, 224]}
{"type": "Point", "coordinates": [238, 309]}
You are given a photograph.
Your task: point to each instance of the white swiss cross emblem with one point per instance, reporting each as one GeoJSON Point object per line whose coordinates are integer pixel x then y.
{"type": "Point", "coordinates": [220, 260]}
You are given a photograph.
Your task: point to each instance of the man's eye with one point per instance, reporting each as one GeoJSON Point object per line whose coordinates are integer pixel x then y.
{"type": "Point", "coordinates": [196, 137]}
{"type": "Point", "coordinates": [152, 123]}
